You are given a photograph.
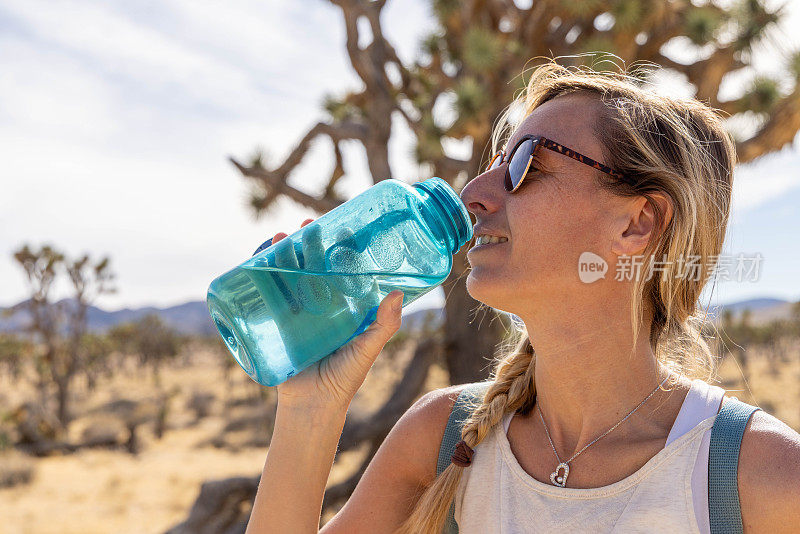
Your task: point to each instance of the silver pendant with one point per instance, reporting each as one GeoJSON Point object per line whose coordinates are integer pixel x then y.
{"type": "Point", "coordinates": [557, 479]}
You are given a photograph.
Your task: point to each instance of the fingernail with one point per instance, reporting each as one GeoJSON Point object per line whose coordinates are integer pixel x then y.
{"type": "Point", "coordinates": [398, 302]}
{"type": "Point", "coordinates": [264, 245]}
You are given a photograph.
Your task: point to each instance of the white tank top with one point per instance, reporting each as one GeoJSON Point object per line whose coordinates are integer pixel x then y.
{"type": "Point", "coordinates": [668, 494]}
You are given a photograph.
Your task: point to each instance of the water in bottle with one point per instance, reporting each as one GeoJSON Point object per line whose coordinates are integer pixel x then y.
{"type": "Point", "coordinates": [305, 296]}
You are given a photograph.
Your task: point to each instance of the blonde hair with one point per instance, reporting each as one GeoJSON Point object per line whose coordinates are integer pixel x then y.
{"type": "Point", "coordinates": [676, 148]}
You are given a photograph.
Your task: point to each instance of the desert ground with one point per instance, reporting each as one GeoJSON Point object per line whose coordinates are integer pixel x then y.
{"type": "Point", "coordinates": [217, 426]}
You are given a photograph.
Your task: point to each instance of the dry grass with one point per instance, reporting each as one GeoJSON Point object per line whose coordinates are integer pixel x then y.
{"type": "Point", "coordinates": [95, 490]}
{"type": "Point", "coordinates": [774, 388]}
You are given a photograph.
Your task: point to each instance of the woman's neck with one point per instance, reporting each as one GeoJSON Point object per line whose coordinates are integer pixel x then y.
{"type": "Point", "coordinates": [586, 377]}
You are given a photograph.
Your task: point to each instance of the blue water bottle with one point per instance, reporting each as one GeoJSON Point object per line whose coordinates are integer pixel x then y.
{"type": "Point", "coordinates": [302, 298]}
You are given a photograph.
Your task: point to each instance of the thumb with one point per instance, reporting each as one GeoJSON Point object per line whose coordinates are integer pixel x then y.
{"type": "Point", "coordinates": [387, 323]}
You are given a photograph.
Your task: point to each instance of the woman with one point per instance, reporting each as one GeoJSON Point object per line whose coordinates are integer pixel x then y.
{"type": "Point", "coordinates": [597, 420]}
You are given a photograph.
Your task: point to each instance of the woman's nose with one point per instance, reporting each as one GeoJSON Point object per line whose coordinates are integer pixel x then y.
{"type": "Point", "coordinates": [484, 192]}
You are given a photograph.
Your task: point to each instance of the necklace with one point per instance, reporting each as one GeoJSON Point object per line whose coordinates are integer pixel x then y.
{"type": "Point", "coordinates": [559, 476]}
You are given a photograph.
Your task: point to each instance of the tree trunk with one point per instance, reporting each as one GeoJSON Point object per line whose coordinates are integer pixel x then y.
{"type": "Point", "coordinates": [470, 338]}
{"type": "Point", "coordinates": [132, 445]}
{"type": "Point", "coordinates": [218, 507]}
{"type": "Point", "coordinates": [62, 397]}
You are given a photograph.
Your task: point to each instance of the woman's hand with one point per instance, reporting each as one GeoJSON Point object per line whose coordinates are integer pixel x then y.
{"type": "Point", "coordinates": [332, 382]}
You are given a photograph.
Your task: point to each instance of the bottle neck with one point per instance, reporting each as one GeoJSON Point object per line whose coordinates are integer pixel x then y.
{"type": "Point", "coordinates": [450, 211]}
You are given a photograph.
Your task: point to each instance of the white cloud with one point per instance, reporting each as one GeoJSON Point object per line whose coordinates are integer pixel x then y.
{"type": "Point", "coordinates": [765, 179]}
{"type": "Point", "coordinates": [79, 108]}
{"type": "Point", "coordinates": [116, 119]}
{"type": "Point", "coordinates": [115, 136]}
{"type": "Point", "coordinates": [118, 47]}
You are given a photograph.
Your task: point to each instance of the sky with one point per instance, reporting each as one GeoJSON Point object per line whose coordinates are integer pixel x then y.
{"type": "Point", "coordinates": [117, 119]}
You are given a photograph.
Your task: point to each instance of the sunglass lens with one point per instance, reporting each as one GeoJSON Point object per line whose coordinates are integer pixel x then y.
{"type": "Point", "coordinates": [519, 163]}
{"type": "Point", "coordinates": [495, 163]}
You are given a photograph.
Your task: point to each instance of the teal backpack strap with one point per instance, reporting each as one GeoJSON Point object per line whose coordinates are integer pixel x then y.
{"type": "Point", "coordinates": [725, 514]}
{"type": "Point", "coordinates": [452, 435]}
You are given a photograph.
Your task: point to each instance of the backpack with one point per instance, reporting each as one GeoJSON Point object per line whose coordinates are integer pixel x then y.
{"type": "Point", "coordinates": [725, 515]}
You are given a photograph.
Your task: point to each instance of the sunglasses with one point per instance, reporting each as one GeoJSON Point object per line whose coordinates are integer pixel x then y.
{"type": "Point", "coordinates": [521, 157]}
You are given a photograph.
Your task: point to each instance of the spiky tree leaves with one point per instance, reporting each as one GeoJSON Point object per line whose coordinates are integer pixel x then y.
{"type": "Point", "coordinates": [761, 97]}
{"type": "Point", "coordinates": [751, 19]}
{"type": "Point", "coordinates": [793, 66]}
{"type": "Point", "coordinates": [702, 24]}
{"type": "Point", "coordinates": [482, 49]}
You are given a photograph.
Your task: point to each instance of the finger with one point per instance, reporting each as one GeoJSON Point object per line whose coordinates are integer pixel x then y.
{"type": "Point", "coordinates": [307, 221]}
{"type": "Point", "coordinates": [266, 244]}
{"type": "Point", "coordinates": [279, 236]}
{"type": "Point", "coordinates": [313, 291]}
{"type": "Point", "coordinates": [389, 318]}
{"type": "Point", "coordinates": [285, 256]}
{"type": "Point", "coordinates": [344, 258]}
{"type": "Point", "coordinates": [313, 250]}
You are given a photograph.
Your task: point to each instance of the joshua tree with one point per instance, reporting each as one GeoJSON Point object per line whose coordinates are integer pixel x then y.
{"type": "Point", "coordinates": [60, 327]}
{"type": "Point", "coordinates": [466, 72]}
{"type": "Point", "coordinates": [150, 339]}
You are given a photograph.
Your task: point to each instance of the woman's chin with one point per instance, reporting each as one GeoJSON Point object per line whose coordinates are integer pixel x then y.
{"type": "Point", "coordinates": [484, 289]}
{"type": "Point", "coordinates": [497, 291]}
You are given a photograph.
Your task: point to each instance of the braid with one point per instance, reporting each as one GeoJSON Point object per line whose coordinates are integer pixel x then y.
{"type": "Point", "coordinates": [511, 389]}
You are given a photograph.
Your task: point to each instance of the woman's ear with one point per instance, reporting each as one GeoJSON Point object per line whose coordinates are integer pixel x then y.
{"type": "Point", "coordinates": [638, 224]}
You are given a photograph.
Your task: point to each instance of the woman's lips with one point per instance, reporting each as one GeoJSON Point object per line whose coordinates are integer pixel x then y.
{"type": "Point", "coordinates": [486, 245]}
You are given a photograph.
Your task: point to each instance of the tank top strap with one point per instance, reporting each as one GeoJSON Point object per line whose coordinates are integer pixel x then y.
{"type": "Point", "coordinates": [701, 402]}
{"type": "Point", "coordinates": [507, 421]}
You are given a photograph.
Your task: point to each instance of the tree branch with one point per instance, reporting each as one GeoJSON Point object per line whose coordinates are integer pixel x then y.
{"type": "Point", "coordinates": [274, 181]}
{"type": "Point", "coordinates": [337, 132]}
{"type": "Point", "coordinates": [779, 130]}
{"type": "Point", "coordinates": [356, 431]}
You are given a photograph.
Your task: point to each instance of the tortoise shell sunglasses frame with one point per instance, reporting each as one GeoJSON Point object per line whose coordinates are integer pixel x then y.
{"type": "Point", "coordinates": [512, 183]}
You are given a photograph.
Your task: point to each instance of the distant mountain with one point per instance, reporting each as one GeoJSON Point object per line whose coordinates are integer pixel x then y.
{"type": "Point", "coordinates": [754, 304]}
{"type": "Point", "coordinates": [191, 318]}
{"type": "Point", "coordinates": [188, 318]}
{"type": "Point", "coordinates": [762, 310]}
